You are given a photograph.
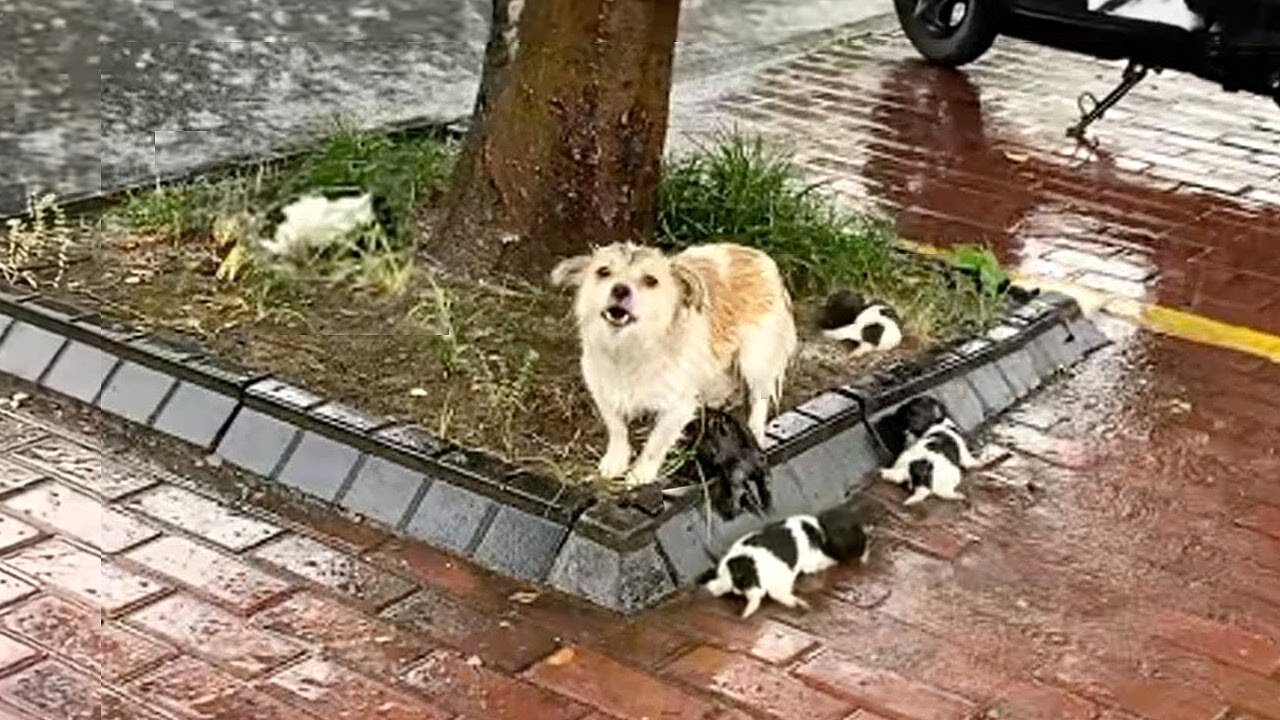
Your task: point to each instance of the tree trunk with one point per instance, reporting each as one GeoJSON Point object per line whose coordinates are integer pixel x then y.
{"type": "Point", "coordinates": [566, 140]}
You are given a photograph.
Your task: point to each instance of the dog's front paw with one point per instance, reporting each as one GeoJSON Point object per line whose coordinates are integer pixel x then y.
{"type": "Point", "coordinates": [643, 473]}
{"type": "Point", "coordinates": [613, 465]}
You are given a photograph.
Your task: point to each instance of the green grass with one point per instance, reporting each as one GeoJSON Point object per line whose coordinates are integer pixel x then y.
{"type": "Point", "coordinates": [740, 188]}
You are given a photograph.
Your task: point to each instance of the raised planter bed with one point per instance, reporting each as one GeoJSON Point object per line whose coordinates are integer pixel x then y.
{"type": "Point", "coordinates": [516, 522]}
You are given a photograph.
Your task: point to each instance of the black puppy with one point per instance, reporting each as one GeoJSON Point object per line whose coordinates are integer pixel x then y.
{"type": "Point", "coordinates": [908, 423]}
{"type": "Point", "coordinates": [729, 460]}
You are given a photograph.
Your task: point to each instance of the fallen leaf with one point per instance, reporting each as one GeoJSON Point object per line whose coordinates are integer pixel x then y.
{"type": "Point", "coordinates": [1017, 157]}
{"type": "Point", "coordinates": [524, 597]}
{"type": "Point", "coordinates": [561, 657]}
{"type": "Point", "coordinates": [475, 661]}
{"type": "Point", "coordinates": [418, 392]}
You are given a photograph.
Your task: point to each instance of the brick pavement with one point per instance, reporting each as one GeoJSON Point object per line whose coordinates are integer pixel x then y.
{"type": "Point", "coordinates": [1139, 578]}
{"type": "Point", "coordinates": [1179, 204]}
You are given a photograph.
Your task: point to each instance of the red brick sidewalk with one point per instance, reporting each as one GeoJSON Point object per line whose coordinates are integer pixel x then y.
{"type": "Point", "coordinates": [1141, 576]}
{"type": "Point", "coordinates": [1179, 204]}
{"type": "Point", "coordinates": [1139, 579]}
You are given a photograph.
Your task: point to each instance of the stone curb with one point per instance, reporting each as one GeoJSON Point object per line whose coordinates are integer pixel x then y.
{"type": "Point", "coordinates": [521, 524]}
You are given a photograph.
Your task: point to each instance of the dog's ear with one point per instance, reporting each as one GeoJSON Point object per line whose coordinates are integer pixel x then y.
{"type": "Point", "coordinates": [693, 293]}
{"type": "Point", "coordinates": [569, 271]}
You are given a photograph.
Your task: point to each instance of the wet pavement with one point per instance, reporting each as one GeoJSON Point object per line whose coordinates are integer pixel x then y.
{"type": "Point", "coordinates": [1137, 578]}
{"type": "Point", "coordinates": [96, 94]}
{"type": "Point", "coordinates": [1178, 203]}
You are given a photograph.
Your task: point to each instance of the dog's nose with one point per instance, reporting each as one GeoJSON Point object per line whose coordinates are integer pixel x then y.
{"type": "Point", "coordinates": [620, 292]}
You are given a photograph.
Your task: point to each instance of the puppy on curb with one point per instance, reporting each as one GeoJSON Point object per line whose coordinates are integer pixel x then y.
{"type": "Point", "coordinates": [669, 334]}
{"type": "Point", "coordinates": [933, 465]}
{"type": "Point", "coordinates": [767, 562]}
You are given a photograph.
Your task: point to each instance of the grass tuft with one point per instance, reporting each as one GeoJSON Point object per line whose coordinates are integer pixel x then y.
{"type": "Point", "coordinates": [739, 187]}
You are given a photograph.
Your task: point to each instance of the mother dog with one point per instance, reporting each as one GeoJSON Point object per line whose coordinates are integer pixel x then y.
{"type": "Point", "coordinates": [669, 334]}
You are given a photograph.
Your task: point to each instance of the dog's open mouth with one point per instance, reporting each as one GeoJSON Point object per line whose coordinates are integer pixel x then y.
{"type": "Point", "coordinates": [617, 316]}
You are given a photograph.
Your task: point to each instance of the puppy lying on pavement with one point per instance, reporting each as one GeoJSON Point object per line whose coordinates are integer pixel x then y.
{"type": "Point", "coordinates": [670, 334]}
{"type": "Point", "coordinates": [767, 562]}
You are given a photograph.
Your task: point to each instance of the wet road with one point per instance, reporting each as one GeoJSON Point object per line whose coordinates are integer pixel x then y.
{"type": "Point", "coordinates": [1139, 578]}
{"type": "Point", "coordinates": [99, 94]}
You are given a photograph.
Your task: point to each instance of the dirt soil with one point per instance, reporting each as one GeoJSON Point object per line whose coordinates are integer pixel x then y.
{"type": "Point", "coordinates": [492, 370]}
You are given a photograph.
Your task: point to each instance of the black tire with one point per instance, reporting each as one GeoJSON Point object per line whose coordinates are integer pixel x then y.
{"type": "Point", "coordinates": [959, 45]}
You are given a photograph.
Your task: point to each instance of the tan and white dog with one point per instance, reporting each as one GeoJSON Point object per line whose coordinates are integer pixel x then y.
{"type": "Point", "coordinates": [669, 334]}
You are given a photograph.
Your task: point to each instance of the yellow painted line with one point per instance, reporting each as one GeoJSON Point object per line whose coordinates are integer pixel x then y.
{"type": "Point", "coordinates": [1157, 318]}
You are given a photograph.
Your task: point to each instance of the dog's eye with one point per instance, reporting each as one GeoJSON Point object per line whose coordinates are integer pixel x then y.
{"type": "Point", "coordinates": [602, 272]}
{"type": "Point", "coordinates": [649, 281]}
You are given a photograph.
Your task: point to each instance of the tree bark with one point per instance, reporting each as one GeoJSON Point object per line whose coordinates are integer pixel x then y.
{"type": "Point", "coordinates": [565, 145]}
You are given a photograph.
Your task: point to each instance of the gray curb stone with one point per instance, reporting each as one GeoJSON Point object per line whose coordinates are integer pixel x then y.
{"type": "Point", "coordinates": [992, 388]}
{"type": "Point", "coordinates": [520, 544]}
{"type": "Point", "coordinates": [134, 391]}
{"type": "Point", "coordinates": [195, 414]}
{"type": "Point", "coordinates": [80, 371]}
{"type": "Point", "coordinates": [962, 402]}
{"type": "Point", "coordinates": [318, 466]}
{"type": "Point", "coordinates": [1019, 371]}
{"type": "Point", "coordinates": [624, 581]}
{"type": "Point", "coordinates": [449, 516]}
{"type": "Point", "coordinates": [256, 441]}
{"type": "Point", "coordinates": [27, 351]}
{"type": "Point", "coordinates": [383, 490]}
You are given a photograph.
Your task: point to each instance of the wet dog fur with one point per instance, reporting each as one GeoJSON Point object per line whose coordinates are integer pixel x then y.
{"type": "Point", "coordinates": [727, 456]}
{"type": "Point", "coordinates": [864, 327]}
{"type": "Point", "coordinates": [766, 563]}
{"type": "Point", "coordinates": [933, 465]}
{"type": "Point", "coordinates": [666, 335]}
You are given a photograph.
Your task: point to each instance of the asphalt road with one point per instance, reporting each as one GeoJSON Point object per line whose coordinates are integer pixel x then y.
{"type": "Point", "coordinates": [107, 93]}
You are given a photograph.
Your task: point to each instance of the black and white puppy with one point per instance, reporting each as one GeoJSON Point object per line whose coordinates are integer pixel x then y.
{"type": "Point", "coordinates": [933, 465]}
{"type": "Point", "coordinates": [727, 457]}
{"type": "Point", "coordinates": [323, 219]}
{"type": "Point", "coordinates": [908, 423]}
{"type": "Point", "coordinates": [863, 326]}
{"type": "Point", "coordinates": [767, 562]}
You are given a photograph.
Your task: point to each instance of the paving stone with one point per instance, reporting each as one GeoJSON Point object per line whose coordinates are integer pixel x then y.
{"type": "Point", "coordinates": [383, 491]}
{"type": "Point", "coordinates": [449, 516]}
{"type": "Point", "coordinates": [80, 516]}
{"type": "Point", "coordinates": [769, 640]}
{"type": "Point", "coordinates": [27, 350]}
{"type": "Point", "coordinates": [215, 635]}
{"type": "Point", "coordinates": [884, 692]}
{"type": "Point", "coordinates": [477, 691]}
{"type": "Point", "coordinates": [368, 644]}
{"type": "Point", "coordinates": [14, 532]}
{"type": "Point", "coordinates": [90, 469]}
{"type": "Point", "coordinates": [56, 691]}
{"type": "Point", "coordinates": [14, 653]}
{"type": "Point", "coordinates": [223, 578]}
{"type": "Point", "coordinates": [520, 544]}
{"type": "Point", "coordinates": [192, 689]}
{"type": "Point", "coordinates": [81, 636]}
{"type": "Point", "coordinates": [992, 389]}
{"type": "Point", "coordinates": [509, 643]}
{"type": "Point", "coordinates": [1224, 642]}
{"type": "Point", "coordinates": [1019, 371]}
{"type": "Point", "coordinates": [335, 570]}
{"type": "Point", "coordinates": [16, 477]}
{"type": "Point", "coordinates": [208, 519]}
{"type": "Point", "coordinates": [627, 582]}
{"type": "Point", "coordinates": [83, 575]}
{"type": "Point", "coordinates": [134, 392]}
{"type": "Point", "coordinates": [319, 466]}
{"type": "Point", "coordinates": [195, 413]}
{"type": "Point", "coordinates": [13, 589]}
{"type": "Point", "coordinates": [256, 442]}
{"type": "Point", "coordinates": [599, 681]}
{"type": "Point", "coordinates": [331, 691]}
{"type": "Point", "coordinates": [760, 686]}
{"type": "Point", "coordinates": [80, 371]}
{"type": "Point", "coordinates": [962, 403]}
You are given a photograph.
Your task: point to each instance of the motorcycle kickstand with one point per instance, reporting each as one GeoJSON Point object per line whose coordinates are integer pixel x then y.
{"type": "Point", "coordinates": [1092, 109]}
